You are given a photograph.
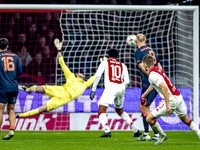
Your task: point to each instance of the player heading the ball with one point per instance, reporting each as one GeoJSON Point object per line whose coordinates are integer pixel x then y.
{"type": "Point", "coordinates": [173, 100]}
{"type": "Point", "coordinates": [144, 105]}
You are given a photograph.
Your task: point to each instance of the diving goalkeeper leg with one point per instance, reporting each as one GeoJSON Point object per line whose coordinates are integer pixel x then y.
{"type": "Point", "coordinates": [33, 112]}
{"type": "Point", "coordinates": [35, 88]}
{"type": "Point", "coordinates": [53, 103]}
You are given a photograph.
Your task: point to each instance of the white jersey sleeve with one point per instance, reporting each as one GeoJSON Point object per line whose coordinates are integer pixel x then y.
{"type": "Point", "coordinates": [125, 75]}
{"type": "Point", "coordinates": [99, 72]}
{"type": "Point", "coordinates": [155, 79]}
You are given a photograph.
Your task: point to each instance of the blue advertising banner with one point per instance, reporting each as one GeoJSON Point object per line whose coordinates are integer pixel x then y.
{"type": "Point", "coordinates": [29, 101]}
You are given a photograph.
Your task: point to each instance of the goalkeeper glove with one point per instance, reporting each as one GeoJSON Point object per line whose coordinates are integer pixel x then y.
{"type": "Point", "coordinates": [22, 87]}
{"type": "Point", "coordinates": [92, 94]}
{"type": "Point", "coordinates": [58, 45]}
{"type": "Point", "coordinates": [103, 58]}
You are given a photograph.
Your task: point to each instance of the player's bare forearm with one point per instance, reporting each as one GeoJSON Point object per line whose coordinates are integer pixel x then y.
{"type": "Point", "coordinates": [90, 80]}
{"type": "Point", "coordinates": [143, 70]}
{"type": "Point", "coordinates": [144, 95]}
{"type": "Point", "coordinates": [166, 97]}
{"type": "Point", "coordinates": [165, 92]}
{"type": "Point", "coordinates": [159, 66]}
{"type": "Point", "coordinates": [150, 88]}
{"type": "Point", "coordinates": [64, 67]}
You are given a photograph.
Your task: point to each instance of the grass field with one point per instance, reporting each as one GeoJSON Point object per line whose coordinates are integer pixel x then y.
{"type": "Point", "coordinates": [89, 140]}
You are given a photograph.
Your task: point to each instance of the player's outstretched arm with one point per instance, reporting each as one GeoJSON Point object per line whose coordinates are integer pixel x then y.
{"type": "Point", "coordinates": [90, 81]}
{"type": "Point", "coordinates": [98, 74]}
{"type": "Point", "coordinates": [126, 76]}
{"type": "Point", "coordinates": [64, 67]}
{"type": "Point", "coordinates": [19, 68]}
{"type": "Point", "coordinates": [166, 97]}
{"type": "Point", "coordinates": [144, 95]}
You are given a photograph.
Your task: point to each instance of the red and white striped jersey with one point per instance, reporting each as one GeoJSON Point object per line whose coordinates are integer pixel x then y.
{"type": "Point", "coordinates": [157, 76]}
{"type": "Point", "coordinates": [114, 71]}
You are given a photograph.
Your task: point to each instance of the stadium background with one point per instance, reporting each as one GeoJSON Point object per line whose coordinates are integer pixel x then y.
{"type": "Point", "coordinates": [31, 37]}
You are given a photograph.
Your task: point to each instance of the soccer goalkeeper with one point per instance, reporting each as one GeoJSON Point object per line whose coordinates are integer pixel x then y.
{"type": "Point", "coordinates": [59, 95]}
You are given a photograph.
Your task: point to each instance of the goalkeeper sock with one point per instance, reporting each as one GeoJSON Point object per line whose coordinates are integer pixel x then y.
{"type": "Point", "coordinates": [32, 89]}
{"type": "Point", "coordinates": [156, 126]}
{"type": "Point", "coordinates": [128, 120]}
{"type": "Point", "coordinates": [31, 113]}
{"type": "Point", "coordinates": [104, 121]}
{"type": "Point", "coordinates": [194, 127]}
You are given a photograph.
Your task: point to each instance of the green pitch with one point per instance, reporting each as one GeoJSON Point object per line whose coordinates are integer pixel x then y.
{"type": "Point", "coordinates": [82, 140]}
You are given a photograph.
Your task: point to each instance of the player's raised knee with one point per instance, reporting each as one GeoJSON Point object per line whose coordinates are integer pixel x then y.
{"type": "Point", "coordinates": [149, 118]}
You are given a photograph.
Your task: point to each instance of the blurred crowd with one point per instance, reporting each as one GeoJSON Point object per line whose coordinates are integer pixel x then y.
{"type": "Point", "coordinates": [31, 37]}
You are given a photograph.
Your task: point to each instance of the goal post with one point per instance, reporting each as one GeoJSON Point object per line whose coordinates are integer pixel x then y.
{"type": "Point", "coordinates": [196, 64]}
{"type": "Point", "coordinates": [178, 46]}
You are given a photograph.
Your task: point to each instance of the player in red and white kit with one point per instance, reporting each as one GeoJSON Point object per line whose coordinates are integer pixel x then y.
{"type": "Point", "coordinates": [116, 79]}
{"type": "Point", "coordinates": [173, 100]}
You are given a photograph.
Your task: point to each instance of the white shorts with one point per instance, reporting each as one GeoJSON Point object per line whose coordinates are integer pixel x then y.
{"type": "Point", "coordinates": [115, 93]}
{"type": "Point", "coordinates": [180, 110]}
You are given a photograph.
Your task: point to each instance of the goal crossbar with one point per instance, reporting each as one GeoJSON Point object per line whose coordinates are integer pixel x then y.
{"type": "Point", "coordinates": [98, 7]}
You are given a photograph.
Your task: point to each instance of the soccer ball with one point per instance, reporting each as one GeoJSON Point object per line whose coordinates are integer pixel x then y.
{"type": "Point", "coordinates": [130, 40]}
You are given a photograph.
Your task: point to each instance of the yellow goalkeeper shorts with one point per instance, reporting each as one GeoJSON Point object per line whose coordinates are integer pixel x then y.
{"type": "Point", "coordinates": [59, 96]}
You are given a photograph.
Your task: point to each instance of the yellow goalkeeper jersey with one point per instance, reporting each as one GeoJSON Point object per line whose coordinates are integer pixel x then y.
{"type": "Point", "coordinates": [74, 86]}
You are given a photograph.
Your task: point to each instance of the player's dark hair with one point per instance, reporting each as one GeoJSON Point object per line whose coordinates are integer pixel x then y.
{"type": "Point", "coordinates": [148, 59]}
{"type": "Point", "coordinates": [113, 53]}
{"type": "Point", "coordinates": [3, 43]}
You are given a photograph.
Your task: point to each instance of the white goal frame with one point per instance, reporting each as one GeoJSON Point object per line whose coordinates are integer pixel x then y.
{"type": "Point", "coordinates": [195, 10]}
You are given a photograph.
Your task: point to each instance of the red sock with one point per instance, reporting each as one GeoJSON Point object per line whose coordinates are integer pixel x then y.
{"type": "Point", "coordinates": [153, 123]}
{"type": "Point", "coordinates": [189, 123]}
{"type": "Point", "coordinates": [121, 113]}
{"type": "Point", "coordinates": [0, 130]}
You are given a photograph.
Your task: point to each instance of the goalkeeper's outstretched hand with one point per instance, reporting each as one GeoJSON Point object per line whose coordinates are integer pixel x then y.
{"type": "Point", "coordinates": [92, 94]}
{"type": "Point", "coordinates": [22, 87]}
{"type": "Point", "coordinates": [58, 44]}
{"type": "Point", "coordinates": [103, 58]}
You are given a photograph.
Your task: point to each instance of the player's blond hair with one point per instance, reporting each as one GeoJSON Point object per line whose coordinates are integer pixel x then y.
{"type": "Point", "coordinates": [141, 38]}
{"type": "Point", "coordinates": [148, 59]}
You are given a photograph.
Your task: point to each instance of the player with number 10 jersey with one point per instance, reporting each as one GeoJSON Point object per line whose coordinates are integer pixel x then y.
{"type": "Point", "coordinates": [116, 79]}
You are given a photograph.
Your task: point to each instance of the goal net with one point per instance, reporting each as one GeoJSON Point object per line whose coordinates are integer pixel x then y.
{"type": "Point", "coordinates": [88, 35]}
{"type": "Point", "coordinates": [89, 32]}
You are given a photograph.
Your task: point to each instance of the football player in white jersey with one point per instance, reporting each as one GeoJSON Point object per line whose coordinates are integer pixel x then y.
{"type": "Point", "coordinates": [173, 100]}
{"type": "Point", "coordinates": [116, 79]}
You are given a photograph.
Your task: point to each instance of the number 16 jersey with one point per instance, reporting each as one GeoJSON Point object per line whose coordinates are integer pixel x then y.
{"type": "Point", "coordinates": [10, 69]}
{"type": "Point", "coordinates": [114, 71]}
